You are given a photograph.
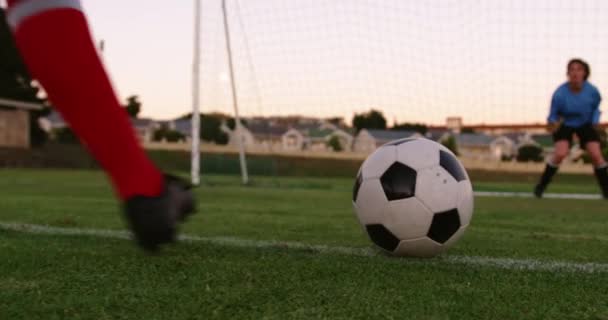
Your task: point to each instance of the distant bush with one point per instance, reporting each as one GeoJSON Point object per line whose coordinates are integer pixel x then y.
{"type": "Point", "coordinates": [450, 143]}
{"type": "Point", "coordinates": [530, 153]}
{"type": "Point", "coordinates": [506, 158]}
{"type": "Point", "coordinates": [334, 144]}
{"type": "Point", "coordinates": [65, 136]}
{"type": "Point", "coordinates": [587, 159]}
{"type": "Point", "coordinates": [166, 134]}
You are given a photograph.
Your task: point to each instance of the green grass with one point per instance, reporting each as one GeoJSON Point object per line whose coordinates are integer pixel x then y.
{"type": "Point", "coordinates": [85, 277]}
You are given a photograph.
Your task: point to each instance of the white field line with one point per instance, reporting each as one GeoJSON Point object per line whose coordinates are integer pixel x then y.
{"type": "Point", "coordinates": [477, 261]}
{"type": "Point", "coordinates": [573, 196]}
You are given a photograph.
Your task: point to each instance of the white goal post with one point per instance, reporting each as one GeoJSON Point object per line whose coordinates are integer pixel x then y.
{"type": "Point", "coordinates": [196, 122]}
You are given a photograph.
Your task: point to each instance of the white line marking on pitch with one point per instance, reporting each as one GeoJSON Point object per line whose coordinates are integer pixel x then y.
{"type": "Point", "coordinates": [501, 263]}
{"type": "Point", "coordinates": [574, 196]}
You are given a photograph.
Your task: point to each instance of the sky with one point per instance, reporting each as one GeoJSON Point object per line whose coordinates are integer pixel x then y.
{"type": "Point", "coordinates": [489, 61]}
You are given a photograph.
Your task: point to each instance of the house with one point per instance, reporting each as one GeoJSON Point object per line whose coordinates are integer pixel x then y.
{"type": "Point", "coordinates": [273, 135]}
{"type": "Point", "coordinates": [144, 128]}
{"type": "Point", "coordinates": [544, 140]}
{"type": "Point", "coordinates": [15, 123]}
{"type": "Point", "coordinates": [262, 135]}
{"type": "Point", "coordinates": [52, 122]}
{"type": "Point", "coordinates": [318, 139]}
{"type": "Point", "coordinates": [516, 136]}
{"type": "Point", "coordinates": [474, 145]}
{"type": "Point", "coordinates": [502, 129]}
{"type": "Point", "coordinates": [183, 126]}
{"type": "Point", "coordinates": [293, 140]}
{"type": "Point", "coordinates": [369, 139]}
{"type": "Point", "coordinates": [506, 145]}
{"type": "Point", "coordinates": [437, 134]}
{"type": "Point", "coordinates": [503, 148]}
{"type": "Point", "coordinates": [345, 138]}
{"type": "Point", "coordinates": [454, 124]}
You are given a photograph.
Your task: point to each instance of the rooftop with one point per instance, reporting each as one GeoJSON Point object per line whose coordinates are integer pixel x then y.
{"type": "Point", "coordinates": [16, 104]}
{"type": "Point", "coordinates": [389, 135]}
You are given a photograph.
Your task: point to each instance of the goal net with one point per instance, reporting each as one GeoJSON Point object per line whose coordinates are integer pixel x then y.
{"type": "Point", "coordinates": [416, 61]}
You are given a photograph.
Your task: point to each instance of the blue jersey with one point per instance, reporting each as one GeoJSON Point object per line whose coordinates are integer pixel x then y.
{"type": "Point", "coordinates": [575, 109]}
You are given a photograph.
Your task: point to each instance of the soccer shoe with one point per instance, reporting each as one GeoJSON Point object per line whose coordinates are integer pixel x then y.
{"type": "Point", "coordinates": [539, 189]}
{"type": "Point", "coordinates": [153, 220]}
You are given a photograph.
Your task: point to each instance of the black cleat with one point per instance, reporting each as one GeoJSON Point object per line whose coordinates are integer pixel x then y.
{"type": "Point", "coordinates": [153, 220]}
{"type": "Point", "coordinates": [602, 178]}
{"type": "Point", "coordinates": [539, 189]}
{"type": "Point", "coordinates": [545, 179]}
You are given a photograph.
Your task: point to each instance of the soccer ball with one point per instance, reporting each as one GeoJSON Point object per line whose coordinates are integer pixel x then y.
{"type": "Point", "coordinates": [413, 198]}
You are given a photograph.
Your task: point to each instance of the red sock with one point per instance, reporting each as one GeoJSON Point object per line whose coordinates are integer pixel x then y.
{"type": "Point", "coordinates": [54, 40]}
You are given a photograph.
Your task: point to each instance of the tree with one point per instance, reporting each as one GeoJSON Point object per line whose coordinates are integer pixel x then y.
{"type": "Point", "coordinates": [211, 126]}
{"type": "Point", "coordinates": [587, 159]}
{"type": "Point", "coordinates": [211, 129]}
{"type": "Point", "coordinates": [530, 152]}
{"type": "Point", "coordinates": [450, 143]}
{"type": "Point", "coordinates": [231, 123]}
{"type": "Point", "coordinates": [372, 119]}
{"type": "Point", "coordinates": [166, 134]}
{"type": "Point", "coordinates": [336, 121]}
{"type": "Point", "coordinates": [334, 144]}
{"type": "Point", "coordinates": [133, 106]}
{"type": "Point", "coordinates": [16, 83]}
{"type": "Point", "coordinates": [418, 127]}
{"type": "Point", "coordinates": [65, 136]}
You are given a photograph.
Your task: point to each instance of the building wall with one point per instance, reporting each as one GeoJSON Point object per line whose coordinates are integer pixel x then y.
{"type": "Point", "coordinates": [500, 131]}
{"type": "Point", "coordinates": [14, 129]}
{"type": "Point", "coordinates": [364, 142]}
{"type": "Point", "coordinates": [293, 140]}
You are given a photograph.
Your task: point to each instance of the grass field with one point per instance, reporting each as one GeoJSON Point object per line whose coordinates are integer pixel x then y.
{"type": "Point", "coordinates": [290, 248]}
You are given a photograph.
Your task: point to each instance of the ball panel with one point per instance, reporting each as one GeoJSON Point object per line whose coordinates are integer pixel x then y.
{"type": "Point", "coordinates": [407, 219]}
{"type": "Point", "coordinates": [451, 164]}
{"type": "Point", "coordinates": [382, 237]}
{"type": "Point", "coordinates": [455, 237]}
{"type": "Point", "coordinates": [419, 154]}
{"type": "Point", "coordinates": [444, 148]}
{"type": "Point", "coordinates": [437, 189]}
{"type": "Point", "coordinates": [357, 186]}
{"type": "Point", "coordinates": [421, 248]}
{"type": "Point", "coordinates": [444, 226]}
{"type": "Point", "coordinates": [466, 202]}
{"type": "Point", "coordinates": [370, 202]}
{"type": "Point", "coordinates": [401, 185]}
{"type": "Point", "coordinates": [399, 182]}
{"type": "Point", "coordinates": [378, 162]}
{"type": "Point", "coordinates": [400, 142]}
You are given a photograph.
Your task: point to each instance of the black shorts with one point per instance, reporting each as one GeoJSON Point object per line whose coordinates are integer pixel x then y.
{"type": "Point", "coordinates": [585, 134]}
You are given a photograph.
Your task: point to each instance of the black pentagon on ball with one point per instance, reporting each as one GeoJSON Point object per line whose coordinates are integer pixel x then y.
{"type": "Point", "coordinates": [399, 182]}
{"type": "Point", "coordinates": [382, 237]}
{"type": "Point", "coordinates": [399, 142]}
{"type": "Point", "coordinates": [357, 186]}
{"type": "Point", "coordinates": [452, 165]}
{"type": "Point", "coordinates": [444, 226]}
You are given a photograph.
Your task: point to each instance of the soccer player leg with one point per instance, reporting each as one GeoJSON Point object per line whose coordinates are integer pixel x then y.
{"type": "Point", "coordinates": [562, 138]}
{"type": "Point", "coordinates": [591, 140]}
{"type": "Point", "coordinates": [54, 40]}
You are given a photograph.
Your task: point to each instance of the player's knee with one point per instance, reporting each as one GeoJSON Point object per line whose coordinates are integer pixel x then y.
{"type": "Point", "coordinates": [560, 155]}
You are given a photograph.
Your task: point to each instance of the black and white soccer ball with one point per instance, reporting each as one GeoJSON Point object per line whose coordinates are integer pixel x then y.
{"type": "Point", "coordinates": [413, 198]}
